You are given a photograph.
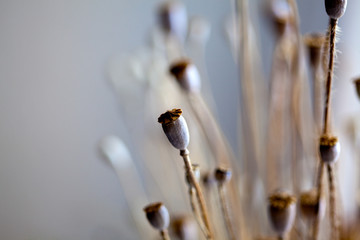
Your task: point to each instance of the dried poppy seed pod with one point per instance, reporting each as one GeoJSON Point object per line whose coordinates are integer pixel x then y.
{"type": "Point", "coordinates": [196, 171]}
{"type": "Point", "coordinates": [282, 211]}
{"type": "Point", "coordinates": [186, 75]}
{"type": "Point", "coordinates": [157, 215]}
{"type": "Point", "coordinates": [172, 18]}
{"type": "Point", "coordinates": [280, 13]}
{"type": "Point", "coordinates": [175, 128]}
{"type": "Point", "coordinates": [357, 85]}
{"type": "Point", "coordinates": [329, 149]}
{"type": "Point", "coordinates": [222, 175]}
{"type": "Point", "coordinates": [184, 228]}
{"type": "Point", "coordinates": [335, 8]}
{"type": "Point", "coordinates": [310, 206]}
{"type": "Point", "coordinates": [208, 179]}
{"type": "Point", "coordinates": [314, 43]}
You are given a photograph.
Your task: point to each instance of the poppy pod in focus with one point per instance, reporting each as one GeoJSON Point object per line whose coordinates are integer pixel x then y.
{"type": "Point", "coordinates": [282, 211]}
{"type": "Point", "coordinates": [157, 215]}
{"type": "Point", "coordinates": [175, 128]}
{"type": "Point", "coordinates": [329, 149]}
{"type": "Point", "coordinates": [335, 8]}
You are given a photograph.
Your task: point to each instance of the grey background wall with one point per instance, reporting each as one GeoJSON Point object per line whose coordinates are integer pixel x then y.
{"type": "Point", "coordinates": [56, 103]}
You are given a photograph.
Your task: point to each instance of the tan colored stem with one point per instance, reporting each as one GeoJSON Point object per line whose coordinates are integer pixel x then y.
{"type": "Point", "coordinates": [196, 212]}
{"type": "Point", "coordinates": [164, 235]}
{"type": "Point", "coordinates": [332, 35]}
{"type": "Point", "coordinates": [319, 196]}
{"type": "Point", "coordinates": [199, 195]}
{"type": "Point", "coordinates": [332, 192]}
{"type": "Point", "coordinates": [226, 212]}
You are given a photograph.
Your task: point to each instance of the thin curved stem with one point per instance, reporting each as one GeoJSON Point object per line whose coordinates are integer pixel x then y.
{"type": "Point", "coordinates": [332, 32]}
{"type": "Point", "coordinates": [226, 212]}
{"type": "Point", "coordinates": [319, 196]}
{"type": "Point", "coordinates": [332, 192]}
{"type": "Point", "coordinates": [164, 235]}
{"type": "Point", "coordinates": [199, 195]}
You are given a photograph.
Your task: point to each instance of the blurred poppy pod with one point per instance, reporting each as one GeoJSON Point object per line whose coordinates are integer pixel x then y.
{"type": "Point", "coordinates": [329, 149]}
{"type": "Point", "coordinates": [280, 13]}
{"type": "Point", "coordinates": [157, 215]}
{"type": "Point", "coordinates": [222, 175]}
{"type": "Point", "coordinates": [335, 8]}
{"type": "Point", "coordinates": [185, 228]}
{"type": "Point", "coordinates": [196, 171]}
{"type": "Point", "coordinates": [310, 206]}
{"type": "Point", "coordinates": [175, 128]}
{"type": "Point", "coordinates": [172, 18]}
{"type": "Point", "coordinates": [357, 85]}
{"type": "Point", "coordinates": [282, 211]}
{"type": "Point", "coordinates": [186, 75]}
{"type": "Point", "coordinates": [314, 43]}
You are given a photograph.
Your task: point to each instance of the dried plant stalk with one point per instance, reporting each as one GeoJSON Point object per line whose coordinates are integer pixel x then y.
{"type": "Point", "coordinates": [226, 212]}
{"type": "Point", "coordinates": [164, 235]}
{"type": "Point", "coordinates": [199, 195]}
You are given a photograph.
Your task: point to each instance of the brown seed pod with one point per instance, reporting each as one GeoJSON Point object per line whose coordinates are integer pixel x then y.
{"type": "Point", "coordinates": [186, 75]}
{"type": "Point", "coordinates": [357, 86]}
{"type": "Point", "coordinates": [222, 175]}
{"type": "Point", "coordinates": [172, 18]}
{"type": "Point", "coordinates": [329, 149]}
{"type": "Point", "coordinates": [282, 211]}
{"type": "Point", "coordinates": [314, 43]}
{"type": "Point", "coordinates": [184, 228]}
{"type": "Point", "coordinates": [309, 205]}
{"type": "Point", "coordinates": [157, 215]}
{"type": "Point", "coordinates": [175, 128]}
{"type": "Point", "coordinates": [335, 8]}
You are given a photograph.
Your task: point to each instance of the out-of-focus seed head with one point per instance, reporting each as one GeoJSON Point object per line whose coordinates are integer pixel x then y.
{"type": "Point", "coordinates": [184, 228]}
{"type": "Point", "coordinates": [175, 128]}
{"type": "Point", "coordinates": [282, 211]}
{"type": "Point", "coordinates": [314, 43]}
{"type": "Point", "coordinates": [329, 149]}
{"type": "Point", "coordinates": [157, 215]}
{"type": "Point", "coordinates": [186, 75]}
{"type": "Point", "coordinates": [172, 18]}
{"type": "Point", "coordinates": [208, 179]}
{"type": "Point", "coordinates": [281, 14]}
{"type": "Point", "coordinates": [196, 171]}
{"type": "Point", "coordinates": [222, 175]}
{"type": "Point", "coordinates": [357, 86]}
{"type": "Point", "coordinates": [310, 206]}
{"type": "Point", "coordinates": [335, 8]}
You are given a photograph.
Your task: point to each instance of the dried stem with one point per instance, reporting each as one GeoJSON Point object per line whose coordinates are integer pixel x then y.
{"type": "Point", "coordinates": [164, 235]}
{"type": "Point", "coordinates": [319, 196]}
{"type": "Point", "coordinates": [199, 195]}
{"type": "Point", "coordinates": [196, 212]}
{"type": "Point", "coordinates": [226, 212]}
{"type": "Point", "coordinates": [332, 32]}
{"type": "Point", "coordinates": [332, 191]}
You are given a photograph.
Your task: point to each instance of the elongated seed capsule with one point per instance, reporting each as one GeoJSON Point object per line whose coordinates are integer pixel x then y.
{"type": "Point", "coordinates": [184, 227]}
{"type": "Point", "coordinates": [314, 43]}
{"type": "Point", "coordinates": [186, 75]}
{"type": "Point", "coordinates": [335, 8]}
{"type": "Point", "coordinates": [282, 211]}
{"type": "Point", "coordinates": [175, 128]}
{"type": "Point", "coordinates": [357, 86]}
{"type": "Point", "coordinates": [329, 149]}
{"type": "Point", "coordinates": [309, 205]}
{"type": "Point", "coordinates": [222, 175]}
{"type": "Point", "coordinates": [157, 215]}
{"type": "Point", "coordinates": [208, 179]}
